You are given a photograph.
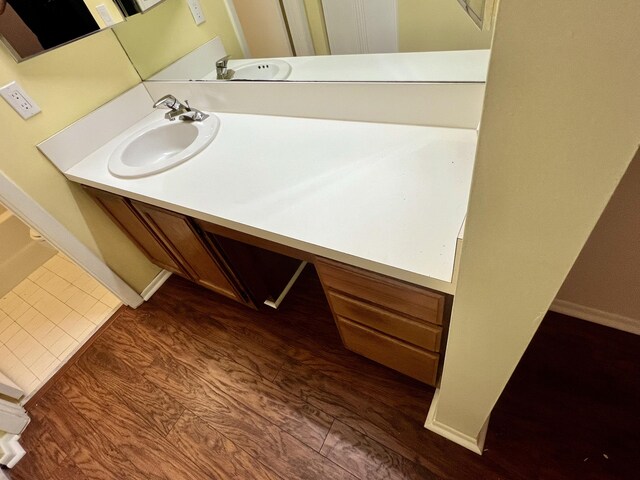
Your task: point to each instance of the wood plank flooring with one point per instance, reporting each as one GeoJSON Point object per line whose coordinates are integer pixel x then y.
{"type": "Point", "coordinates": [193, 386]}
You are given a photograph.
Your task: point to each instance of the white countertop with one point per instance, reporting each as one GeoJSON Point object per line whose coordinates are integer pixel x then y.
{"type": "Point", "coordinates": [390, 198]}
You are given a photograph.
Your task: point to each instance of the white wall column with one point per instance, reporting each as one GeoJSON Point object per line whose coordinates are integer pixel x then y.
{"type": "Point", "coordinates": [559, 128]}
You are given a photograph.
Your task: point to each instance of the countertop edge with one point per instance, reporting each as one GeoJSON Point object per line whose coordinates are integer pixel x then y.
{"type": "Point", "coordinates": [377, 267]}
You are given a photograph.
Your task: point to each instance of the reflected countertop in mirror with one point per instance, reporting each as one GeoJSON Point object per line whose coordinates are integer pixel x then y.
{"type": "Point", "coordinates": [405, 42]}
{"type": "Point", "coordinates": [452, 66]}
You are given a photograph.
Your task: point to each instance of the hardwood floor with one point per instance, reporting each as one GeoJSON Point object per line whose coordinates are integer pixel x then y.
{"type": "Point", "coordinates": [194, 386]}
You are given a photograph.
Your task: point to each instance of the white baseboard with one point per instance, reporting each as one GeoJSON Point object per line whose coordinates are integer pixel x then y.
{"type": "Point", "coordinates": [475, 444]}
{"type": "Point", "coordinates": [33, 215]}
{"type": "Point", "coordinates": [619, 322]}
{"type": "Point", "coordinates": [9, 389]}
{"type": "Point", "coordinates": [155, 284]}
{"type": "Point", "coordinates": [10, 450]}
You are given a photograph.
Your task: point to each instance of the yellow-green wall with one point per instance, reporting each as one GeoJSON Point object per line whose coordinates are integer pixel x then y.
{"type": "Point", "coordinates": [68, 83]}
{"type": "Point", "coordinates": [167, 32]}
{"type": "Point", "coordinates": [433, 25]}
{"type": "Point", "coordinates": [317, 27]}
{"type": "Point", "coordinates": [558, 130]}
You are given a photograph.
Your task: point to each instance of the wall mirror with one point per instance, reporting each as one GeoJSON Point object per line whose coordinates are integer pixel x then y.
{"type": "Point", "coordinates": [309, 40]}
{"type": "Point", "coordinates": [31, 27]}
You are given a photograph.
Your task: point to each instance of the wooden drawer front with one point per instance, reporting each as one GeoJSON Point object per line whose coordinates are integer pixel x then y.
{"type": "Point", "coordinates": [186, 245]}
{"type": "Point", "coordinates": [400, 356]}
{"type": "Point", "coordinates": [418, 333]}
{"type": "Point", "coordinates": [123, 214]}
{"type": "Point", "coordinates": [378, 289]}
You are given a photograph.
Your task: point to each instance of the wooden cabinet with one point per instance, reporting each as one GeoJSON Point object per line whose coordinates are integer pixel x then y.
{"type": "Point", "coordinates": [395, 323]}
{"type": "Point", "coordinates": [391, 322]}
{"type": "Point", "coordinates": [387, 350]}
{"type": "Point", "coordinates": [195, 250]}
{"type": "Point", "coordinates": [125, 216]}
{"type": "Point", "coordinates": [203, 264]}
{"type": "Point", "coordinates": [421, 334]}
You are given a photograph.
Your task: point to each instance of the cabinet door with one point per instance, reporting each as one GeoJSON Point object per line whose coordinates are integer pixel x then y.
{"type": "Point", "coordinates": [204, 265]}
{"type": "Point", "coordinates": [128, 220]}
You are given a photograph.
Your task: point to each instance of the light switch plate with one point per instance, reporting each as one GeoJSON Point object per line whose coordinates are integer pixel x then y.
{"type": "Point", "coordinates": [196, 11]}
{"type": "Point", "coordinates": [105, 15]}
{"type": "Point", "coordinates": [146, 4]}
{"type": "Point", "coordinates": [19, 100]}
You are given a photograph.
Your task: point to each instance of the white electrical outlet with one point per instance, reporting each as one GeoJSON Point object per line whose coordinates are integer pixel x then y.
{"type": "Point", "coordinates": [19, 100]}
{"type": "Point", "coordinates": [196, 11]}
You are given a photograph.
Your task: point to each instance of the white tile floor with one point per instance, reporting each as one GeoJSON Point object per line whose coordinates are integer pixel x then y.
{"type": "Point", "coordinates": [47, 317]}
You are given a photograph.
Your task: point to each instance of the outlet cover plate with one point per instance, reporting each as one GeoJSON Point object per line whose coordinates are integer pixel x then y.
{"type": "Point", "coordinates": [196, 11]}
{"type": "Point", "coordinates": [19, 100]}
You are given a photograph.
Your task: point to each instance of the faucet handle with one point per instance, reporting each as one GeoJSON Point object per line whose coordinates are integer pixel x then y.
{"type": "Point", "coordinates": [222, 63]}
{"type": "Point", "coordinates": [168, 101]}
{"type": "Point", "coordinates": [180, 110]}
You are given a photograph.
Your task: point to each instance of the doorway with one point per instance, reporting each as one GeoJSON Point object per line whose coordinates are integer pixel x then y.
{"type": "Point", "coordinates": [49, 306]}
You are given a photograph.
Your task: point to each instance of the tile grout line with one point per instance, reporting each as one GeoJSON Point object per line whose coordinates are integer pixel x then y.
{"type": "Point", "coordinates": [43, 293]}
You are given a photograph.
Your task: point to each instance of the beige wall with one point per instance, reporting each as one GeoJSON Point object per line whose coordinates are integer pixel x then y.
{"type": "Point", "coordinates": [423, 25]}
{"type": "Point", "coordinates": [167, 32]}
{"type": "Point", "coordinates": [428, 25]}
{"type": "Point", "coordinates": [264, 28]}
{"type": "Point", "coordinates": [559, 128]}
{"type": "Point", "coordinates": [68, 83]}
{"type": "Point", "coordinates": [606, 275]}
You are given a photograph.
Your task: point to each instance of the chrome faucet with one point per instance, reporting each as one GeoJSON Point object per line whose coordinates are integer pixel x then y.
{"type": "Point", "coordinates": [222, 72]}
{"type": "Point", "coordinates": [179, 110]}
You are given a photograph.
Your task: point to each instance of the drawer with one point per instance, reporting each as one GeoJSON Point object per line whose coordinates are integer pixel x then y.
{"type": "Point", "coordinates": [387, 292]}
{"type": "Point", "coordinates": [416, 332]}
{"type": "Point", "coordinates": [393, 353]}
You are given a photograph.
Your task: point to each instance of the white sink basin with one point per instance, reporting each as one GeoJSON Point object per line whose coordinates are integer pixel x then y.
{"type": "Point", "coordinates": [161, 145]}
{"type": "Point", "coordinates": [262, 70]}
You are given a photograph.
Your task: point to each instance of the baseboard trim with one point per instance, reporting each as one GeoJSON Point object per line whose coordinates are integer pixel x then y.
{"type": "Point", "coordinates": [33, 215]}
{"type": "Point", "coordinates": [619, 322]}
{"type": "Point", "coordinates": [155, 284]}
{"type": "Point", "coordinates": [11, 452]}
{"type": "Point", "coordinates": [474, 444]}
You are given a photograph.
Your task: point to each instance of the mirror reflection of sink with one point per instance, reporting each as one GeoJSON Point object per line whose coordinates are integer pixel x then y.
{"type": "Point", "coordinates": [161, 145]}
{"type": "Point", "coordinates": [262, 70]}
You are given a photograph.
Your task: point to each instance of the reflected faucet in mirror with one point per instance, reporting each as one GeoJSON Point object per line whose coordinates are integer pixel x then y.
{"type": "Point", "coordinates": [222, 71]}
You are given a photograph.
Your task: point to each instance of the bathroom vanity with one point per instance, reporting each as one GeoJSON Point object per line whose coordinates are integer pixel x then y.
{"type": "Point", "coordinates": [392, 322]}
{"type": "Point", "coordinates": [377, 208]}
